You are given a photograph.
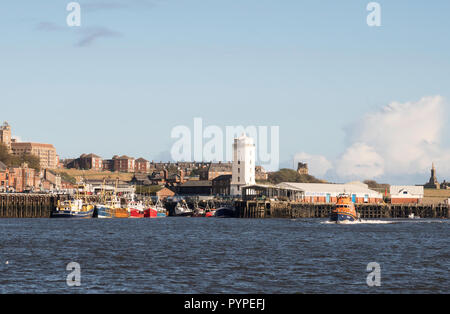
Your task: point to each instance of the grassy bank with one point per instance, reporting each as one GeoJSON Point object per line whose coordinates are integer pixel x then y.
{"type": "Point", "coordinates": [96, 175]}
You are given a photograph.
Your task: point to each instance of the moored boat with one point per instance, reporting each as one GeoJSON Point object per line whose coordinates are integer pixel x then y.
{"type": "Point", "coordinates": [135, 209]}
{"type": "Point", "coordinates": [155, 211]}
{"type": "Point", "coordinates": [182, 209]}
{"type": "Point", "coordinates": [103, 211]}
{"type": "Point", "coordinates": [344, 210]}
{"type": "Point", "coordinates": [73, 209]}
{"type": "Point", "coordinates": [225, 212]}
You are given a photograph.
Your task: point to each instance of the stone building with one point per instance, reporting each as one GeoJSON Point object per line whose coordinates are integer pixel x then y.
{"type": "Point", "coordinates": [5, 135]}
{"type": "Point", "coordinates": [433, 182]}
{"type": "Point", "coordinates": [261, 174]}
{"type": "Point", "coordinates": [302, 168]}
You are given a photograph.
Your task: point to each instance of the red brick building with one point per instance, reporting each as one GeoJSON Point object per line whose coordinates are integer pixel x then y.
{"type": "Point", "coordinates": [87, 161]}
{"type": "Point", "coordinates": [142, 165]}
{"type": "Point", "coordinates": [24, 179]}
{"type": "Point", "coordinates": [5, 178]}
{"type": "Point", "coordinates": [124, 163]}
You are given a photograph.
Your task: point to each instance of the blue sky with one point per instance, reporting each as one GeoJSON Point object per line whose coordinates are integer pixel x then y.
{"type": "Point", "coordinates": [314, 68]}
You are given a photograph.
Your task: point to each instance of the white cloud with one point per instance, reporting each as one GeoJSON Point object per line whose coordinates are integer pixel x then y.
{"type": "Point", "coordinates": [399, 140]}
{"type": "Point", "coordinates": [360, 161]}
{"type": "Point", "coordinates": [405, 136]}
{"type": "Point", "coordinates": [317, 165]}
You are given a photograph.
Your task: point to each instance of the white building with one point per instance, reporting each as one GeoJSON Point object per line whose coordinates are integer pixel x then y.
{"type": "Point", "coordinates": [243, 167]}
{"type": "Point", "coordinates": [406, 194]}
{"type": "Point", "coordinates": [328, 192]}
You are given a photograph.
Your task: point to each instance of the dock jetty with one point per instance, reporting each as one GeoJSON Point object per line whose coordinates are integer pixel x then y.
{"type": "Point", "coordinates": [29, 205]}
{"type": "Point", "coordinates": [279, 209]}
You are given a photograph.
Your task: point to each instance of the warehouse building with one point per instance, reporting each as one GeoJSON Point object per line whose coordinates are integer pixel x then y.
{"type": "Point", "coordinates": [328, 192]}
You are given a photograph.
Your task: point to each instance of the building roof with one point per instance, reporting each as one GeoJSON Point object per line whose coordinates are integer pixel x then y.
{"type": "Point", "coordinates": [3, 167]}
{"type": "Point", "coordinates": [16, 144]}
{"type": "Point", "coordinates": [223, 177]}
{"type": "Point", "coordinates": [91, 155]}
{"type": "Point", "coordinates": [331, 188]}
{"type": "Point", "coordinates": [220, 167]}
{"type": "Point", "coordinates": [193, 183]}
{"type": "Point", "coordinates": [141, 160]}
{"type": "Point", "coordinates": [409, 189]}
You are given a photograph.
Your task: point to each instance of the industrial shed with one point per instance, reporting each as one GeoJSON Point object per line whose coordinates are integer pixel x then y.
{"type": "Point", "coordinates": [328, 192]}
{"type": "Point", "coordinates": [262, 192]}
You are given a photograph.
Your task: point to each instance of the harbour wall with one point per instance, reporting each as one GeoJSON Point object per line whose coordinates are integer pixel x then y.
{"type": "Point", "coordinates": [23, 205]}
{"type": "Point", "coordinates": [20, 205]}
{"type": "Point", "coordinates": [271, 209]}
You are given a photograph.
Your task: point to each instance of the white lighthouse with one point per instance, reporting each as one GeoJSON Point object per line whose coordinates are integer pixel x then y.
{"type": "Point", "coordinates": [243, 168]}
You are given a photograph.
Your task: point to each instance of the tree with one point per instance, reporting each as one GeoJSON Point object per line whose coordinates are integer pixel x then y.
{"type": "Point", "coordinates": [16, 161]}
{"type": "Point", "coordinates": [289, 175]}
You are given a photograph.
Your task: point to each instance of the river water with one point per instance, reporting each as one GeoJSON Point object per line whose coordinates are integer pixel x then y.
{"type": "Point", "coordinates": [207, 255]}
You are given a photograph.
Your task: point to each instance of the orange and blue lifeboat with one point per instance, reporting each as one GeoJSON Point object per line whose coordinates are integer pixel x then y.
{"type": "Point", "coordinates": [344, 210]}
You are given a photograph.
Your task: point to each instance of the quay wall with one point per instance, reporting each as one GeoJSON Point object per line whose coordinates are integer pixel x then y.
{"type": "Point", "coordinates": [21, 205]}
{"type": "Point", "coordinates": [271, 209]}
{"type": "Point", "coordinates": [24, 205]}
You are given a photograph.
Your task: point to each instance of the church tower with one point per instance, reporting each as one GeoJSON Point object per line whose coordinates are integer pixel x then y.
{"type": "Point", "coordinates": [433, 183]}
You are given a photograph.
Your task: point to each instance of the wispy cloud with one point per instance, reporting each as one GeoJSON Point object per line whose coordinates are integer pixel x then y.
{"type": "Point", "coordinates": [50, 27]}
{"type": "Point", "coordinates": [90, 35]}
{"type": "Point", "coordinates": [87, 35]}
{"type": "Point", "coordinates": [100, 5]}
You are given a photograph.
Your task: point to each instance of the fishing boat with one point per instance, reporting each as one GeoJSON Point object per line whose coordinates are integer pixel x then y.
{"type": "Point", "coordinates": [135, 209]}
{"type": "Point", "coordinates": [75, 208]}
{"type": "Point", "coordinates": [344, 210]}
{"type": "Point", "coordinates": [155, 211]}
{"type": "Point", "coordinates": [210, 212]}
{"type": "Point", "coordinates": [199, 212]}
{"type": "Point", "coordinates": [225, 212]}
{"type": "Point", "coordinates": [109, 206]}
{"type": "Point", "coordinates": [182, 209]}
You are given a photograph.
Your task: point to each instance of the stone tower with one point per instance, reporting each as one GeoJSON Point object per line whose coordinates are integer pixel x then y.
{"type": "Point", "coordinates": [302, 168]}
{"type": "Point", "coordinates": [5, 135]}
{"type": "Point", "coordinates": [433, 183]}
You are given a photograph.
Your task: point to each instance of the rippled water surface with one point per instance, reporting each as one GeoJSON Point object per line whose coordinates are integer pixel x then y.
{"type": "Point", "coordinates": [198, 255]}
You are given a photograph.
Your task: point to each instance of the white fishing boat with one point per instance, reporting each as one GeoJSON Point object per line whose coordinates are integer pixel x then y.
{"type": "Point", "coordinates": [182, 209]}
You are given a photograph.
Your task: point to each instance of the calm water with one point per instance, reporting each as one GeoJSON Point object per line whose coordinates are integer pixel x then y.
{"type": "Point", "coordinates": [198, 255]}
